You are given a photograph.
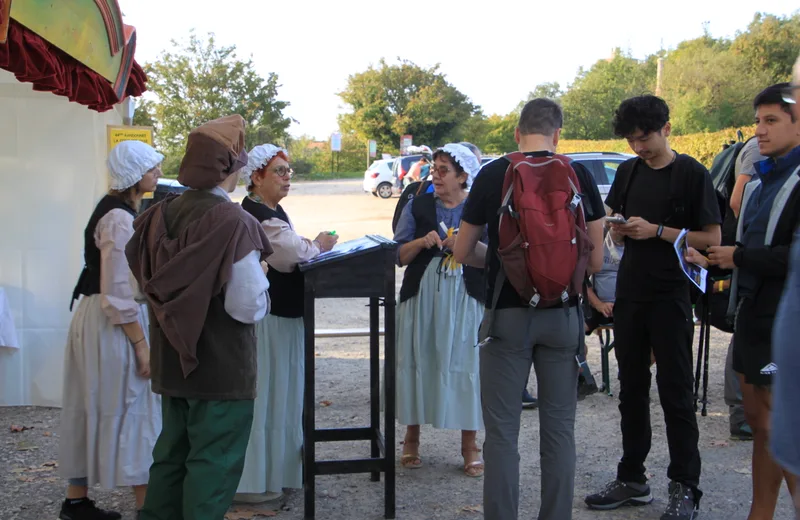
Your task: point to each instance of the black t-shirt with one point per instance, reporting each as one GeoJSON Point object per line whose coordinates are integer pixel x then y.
{"type": "Point", "coordinates": [484, 201]}
{"type": "Point", "coordinates": [649, 269]}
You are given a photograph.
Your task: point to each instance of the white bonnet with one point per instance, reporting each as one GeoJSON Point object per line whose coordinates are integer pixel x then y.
{"type": "Point", "coordinates": [465, 158]}
{"type": "Point", "coordinates": [258, 157]}
{"type": "Point", "coordinates": [129, 161]}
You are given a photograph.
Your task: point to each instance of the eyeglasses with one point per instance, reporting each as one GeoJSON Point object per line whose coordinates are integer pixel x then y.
{"type": "Point", "coordinates": [284, 171]}
{"type": "Point", "coordinates": [788, 93]}
{"type": "Point", "coordinates": [441, 170]}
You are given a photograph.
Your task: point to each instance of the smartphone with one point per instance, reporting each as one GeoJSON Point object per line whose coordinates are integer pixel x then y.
{"type": "Point", "coordinates": [616, 219]}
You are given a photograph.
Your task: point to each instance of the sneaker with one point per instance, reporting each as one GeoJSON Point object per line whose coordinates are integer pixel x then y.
{"type": "Point", "coordinates": [85, 510]}
{"type": "Point", "coordinates": [618, 493]}
{"type": "Point", "coordinates": [681, 503]}
{"type": "Point", "coordinates": [528, 401]}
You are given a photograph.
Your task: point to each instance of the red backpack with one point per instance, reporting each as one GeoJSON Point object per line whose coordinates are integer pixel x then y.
{"type": "Point", "coordinates": [544, 247]}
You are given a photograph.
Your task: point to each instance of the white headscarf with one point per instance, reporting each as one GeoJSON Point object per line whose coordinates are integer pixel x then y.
{"type": "Point", "coordinates": [258, 158]}
{"type": "Point", "coordinates": [465, 158]}
{"type": "Point", "coordinates": [129, 161]}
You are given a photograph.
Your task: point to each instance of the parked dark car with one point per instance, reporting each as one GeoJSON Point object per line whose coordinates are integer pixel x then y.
{"type": "Point", "coordinates": [164, 187]}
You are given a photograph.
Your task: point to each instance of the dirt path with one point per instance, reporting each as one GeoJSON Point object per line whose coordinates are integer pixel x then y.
{"type": "Point", "coordinates": [30, 489]}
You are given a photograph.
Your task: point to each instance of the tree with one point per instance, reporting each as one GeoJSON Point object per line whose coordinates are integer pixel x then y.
{"type": "Point", "coordinates": [392, 100]}
{"type": "Point", "coordinates": [710, 88]}
{"type": "Point", "coordinates": [198, 82]}
{"type": "Point", "coordinates": [545, 90]}
{"type": "Point", "coordinates": [590, 102]}
{"type": "Point", "coordinates": [771, 44]}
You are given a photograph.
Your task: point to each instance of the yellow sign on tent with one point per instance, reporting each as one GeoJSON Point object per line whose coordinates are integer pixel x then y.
{"type": "Point", "coordinates": [117, 134]}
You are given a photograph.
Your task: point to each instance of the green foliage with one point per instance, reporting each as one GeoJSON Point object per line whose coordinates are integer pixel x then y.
{"type": "Point", "coordinates": [709, 87]}
{"type": "Point", "coordinates": [392, 100]}
{"type": "Point", "coordinates": [590, 101]}
{"type": "Point", "coordinates": [313, 158]}
{"type": "Point", "coordinates": [199, 81]}
{"type": "Point", "coordinates": [770, 44]}
{"type": "Point", "coordinates": [702, 146]}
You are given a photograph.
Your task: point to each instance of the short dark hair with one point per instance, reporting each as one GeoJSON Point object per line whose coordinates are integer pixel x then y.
{"type": "Point", "coordinates": [540, 116]}
{"type": "Point", "coordinates": [772, 96]}
{"type": "Point", "coordinates": [646, 113]}
{"type": "Point", "coordinates": [459, 169]}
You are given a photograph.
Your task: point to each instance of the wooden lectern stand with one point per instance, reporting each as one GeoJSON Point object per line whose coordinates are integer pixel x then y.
{"type": "Point", "coordinates": [362, 268]}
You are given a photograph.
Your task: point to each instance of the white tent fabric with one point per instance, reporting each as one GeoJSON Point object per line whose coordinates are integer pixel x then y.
{"type": "Point", "coordinates": [52, 173]}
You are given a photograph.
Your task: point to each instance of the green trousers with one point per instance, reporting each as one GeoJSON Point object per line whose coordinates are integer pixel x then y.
{"type": "Point", "coordinates": [198, 459]}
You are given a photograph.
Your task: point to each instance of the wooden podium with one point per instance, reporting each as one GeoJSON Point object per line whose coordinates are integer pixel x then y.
{"type": "Point", "coordinates": [362, 268]}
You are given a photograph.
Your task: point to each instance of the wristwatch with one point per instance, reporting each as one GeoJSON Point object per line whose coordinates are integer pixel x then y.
{"type": "Point", "coordinates": [659, 230]}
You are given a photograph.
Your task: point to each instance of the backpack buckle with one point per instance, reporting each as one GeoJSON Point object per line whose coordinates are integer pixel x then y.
{"type": "Point", "coordinates": [535, 300]}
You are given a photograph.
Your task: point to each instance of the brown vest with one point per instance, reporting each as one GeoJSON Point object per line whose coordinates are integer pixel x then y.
{"type": "Point", "coordinates": [226, 350]}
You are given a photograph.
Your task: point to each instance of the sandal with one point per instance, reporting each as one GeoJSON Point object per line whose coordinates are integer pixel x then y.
{"type": "Point", "coordinates": [475, 468]}
{"type": "Point", "coordinates": [411, 460]}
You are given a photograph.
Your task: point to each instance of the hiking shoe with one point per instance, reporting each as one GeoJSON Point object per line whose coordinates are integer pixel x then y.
{"type": "Point", "coordinates": [85, 510]}
{"type": "Point", "coordinates": [742, 433]}
{"type": "Point", "coordinates": [681, 503]}
{"type": "Point", "coordinates": [528, 401]}
{"type": "Point", "coordinates": [618, 493]}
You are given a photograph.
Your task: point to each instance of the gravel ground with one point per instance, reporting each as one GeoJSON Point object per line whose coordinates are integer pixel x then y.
{"type": "Point", "coordinates": [31, 490]}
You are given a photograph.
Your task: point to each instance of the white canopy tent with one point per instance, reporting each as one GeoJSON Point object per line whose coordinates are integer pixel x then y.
{"type": "Point", "coordinates": [52, 173]}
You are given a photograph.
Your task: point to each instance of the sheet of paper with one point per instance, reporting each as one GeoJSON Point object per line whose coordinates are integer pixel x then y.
{"type": "Point", "coordinates": [696, 274]}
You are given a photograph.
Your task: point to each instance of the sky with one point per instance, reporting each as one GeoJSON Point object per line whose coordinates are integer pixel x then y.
{"type": "Point", "coordinates": [495, 52]}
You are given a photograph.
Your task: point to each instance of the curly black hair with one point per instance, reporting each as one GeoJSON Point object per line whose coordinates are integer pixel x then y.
{"type": "Point", "coordinates": [645, 113]}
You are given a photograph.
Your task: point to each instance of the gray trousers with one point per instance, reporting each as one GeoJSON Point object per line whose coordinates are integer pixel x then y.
{"type": "Point", "coordinates": [733, 393]}
{"type": "Point", "coordinates": [550, 338]}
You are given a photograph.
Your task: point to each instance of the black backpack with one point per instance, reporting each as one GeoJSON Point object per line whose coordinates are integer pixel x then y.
{"type": "Point", "coordinates": [724, 178]}
{"type": "Point", "coordinates": [410, 191]}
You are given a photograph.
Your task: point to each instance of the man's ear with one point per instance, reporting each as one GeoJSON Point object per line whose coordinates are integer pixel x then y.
{"type": "Point", "coordinates": [516, 135]}
{"type": "Point", "coordinates": [667, 130]}
{"type": "Point", "coordinates": [556, 137]}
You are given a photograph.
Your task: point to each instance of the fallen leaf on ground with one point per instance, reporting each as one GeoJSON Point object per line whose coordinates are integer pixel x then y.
{"type": "Point", "coordinates": [17, 429]}
{"type": "Point", "coordinates": [51, 464]}
{"type": "Point", "coordinates": [720, 444]}
{"type": "Point", "coordinates": [48, 434]}
{"type": "Point", "coordinates": [472, 509]}
{"type": "Point", "coordinates": [26, 446]}
{"type": "Point", "coordinates": [325, 403]}
{"type": "Point", "coordinates": [744, 471]}
{"type": "Point", "coordinates": [248, 514]}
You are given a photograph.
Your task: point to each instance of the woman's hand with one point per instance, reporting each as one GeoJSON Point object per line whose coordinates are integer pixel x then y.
{"type": "Point", "coordinates": [605, 308]}
{"type": "Point", "coordinates": [432, 239]}
{"type": "Point", "coordinates": [449, 242]}
{"type": "Point", "coordinates": [694, 256]}
{"type": "Point", "coordinates": [264, 267]}
{"type": "Point", "coordinates": [326, 241]}
{"type": "Point", "coordinates": [142, 351]}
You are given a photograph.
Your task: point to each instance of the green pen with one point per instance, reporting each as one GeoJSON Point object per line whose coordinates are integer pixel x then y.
{"type": "Point", "coordinates": [332, 233]}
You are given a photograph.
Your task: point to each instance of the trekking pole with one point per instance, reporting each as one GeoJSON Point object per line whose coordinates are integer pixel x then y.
{"type": "Point", "coordinates": [707, 316]}
{"type": "Point", "coordinates": [699, 357]}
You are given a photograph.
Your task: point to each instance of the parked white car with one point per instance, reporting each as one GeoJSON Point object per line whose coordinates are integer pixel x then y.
{"type": "Point", "coordinates": [378, 179]}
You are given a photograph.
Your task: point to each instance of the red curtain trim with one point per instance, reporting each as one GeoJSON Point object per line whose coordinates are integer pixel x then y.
{"type": "Point", "coordinates": [33, 60]}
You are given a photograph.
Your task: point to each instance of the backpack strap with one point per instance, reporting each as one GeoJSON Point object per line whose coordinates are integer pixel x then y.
{"type": "Point", "coordinates": [627, 169]}
{"type": "Point", "coordinates": [678, 189]}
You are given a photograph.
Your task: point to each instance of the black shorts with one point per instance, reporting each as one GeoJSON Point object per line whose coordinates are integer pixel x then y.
{"type": "Point", "coordinates": [752, 345]}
